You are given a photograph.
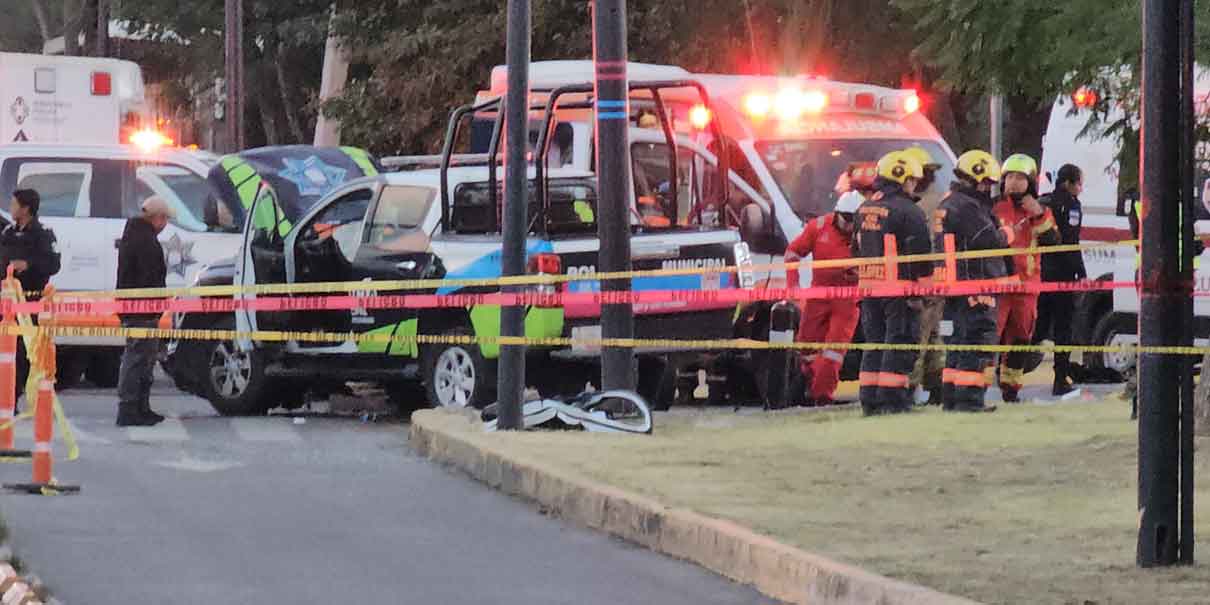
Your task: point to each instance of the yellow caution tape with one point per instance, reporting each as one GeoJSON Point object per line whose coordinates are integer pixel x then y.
{"type": "Point", "coordinates": [29, 332]}
{"type": "Point", "coordinates": [563, 342]}
{"type": "Point", "coordinates": [547, 280]}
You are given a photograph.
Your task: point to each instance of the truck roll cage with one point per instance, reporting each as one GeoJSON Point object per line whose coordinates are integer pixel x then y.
{"type": "Point", "coordinates": [552, 105]}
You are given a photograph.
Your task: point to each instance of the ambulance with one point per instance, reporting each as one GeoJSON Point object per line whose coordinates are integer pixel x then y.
{"type": "Point", "coordinates": [1075, 136]}
{"type": "Point", "coordinates": [77, 100]}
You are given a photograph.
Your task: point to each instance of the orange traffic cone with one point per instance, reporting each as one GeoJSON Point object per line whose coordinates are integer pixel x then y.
{"type": "Point", "coordinates": [44, 425]}
{"type": "Point", "coordinates": [8, 389]}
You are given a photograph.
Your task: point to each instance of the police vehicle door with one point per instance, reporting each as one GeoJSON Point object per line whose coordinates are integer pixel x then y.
{"type": "Point", "coordinates": [324, 249]}
{"type": "Point", "coordinates": [397, 246]}
{"type": "Point", "coordinates": [261, 259]}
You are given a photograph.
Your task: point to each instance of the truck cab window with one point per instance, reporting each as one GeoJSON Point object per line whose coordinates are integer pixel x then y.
{"type": "Point", "coordinates": [400, 212]}
{"type": "Point", "coordinates": [64, 186]}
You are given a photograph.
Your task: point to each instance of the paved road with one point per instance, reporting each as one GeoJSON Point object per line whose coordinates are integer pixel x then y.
{"type": "Point", "coordinates": [333, 510]}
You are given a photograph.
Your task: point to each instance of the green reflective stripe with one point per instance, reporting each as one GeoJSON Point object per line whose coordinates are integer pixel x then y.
{"type": "Point", "coordinates": [485, 320]}
{"type": "Point", "coordinates": [544, 322]}
{"type": "Point", "coordinates": [362, 159]}
{"type": "Point", "coordinates": [407, 329]}
{"type": "Point", "coordinates": [376, 346]}
{"type": "Point", "coordinates": [584, 210]}
{"type": "Point", "coordinates": [540, 322]}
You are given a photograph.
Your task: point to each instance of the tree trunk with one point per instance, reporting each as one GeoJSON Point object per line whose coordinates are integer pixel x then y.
{"type": "Point", "coordinates": [1025, 126]}
{"type": "Point", "coordinates": [88, 24]}
{"type": "Point", "coordinates": [1201, 401]}
{"type": "Point", "coordinates": [288, 106]}
{"type": "Point", "coordinates": [71, 27]}
{"type": "Point", "coordinates": [40, 17]}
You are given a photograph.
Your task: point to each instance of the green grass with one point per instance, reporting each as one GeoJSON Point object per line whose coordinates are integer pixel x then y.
{"type": "Point", "coordinates": [1029, 505]}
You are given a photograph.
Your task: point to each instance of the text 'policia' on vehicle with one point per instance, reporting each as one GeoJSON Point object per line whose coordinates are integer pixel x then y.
{"type": "Point", "coordinates": [324, 215]}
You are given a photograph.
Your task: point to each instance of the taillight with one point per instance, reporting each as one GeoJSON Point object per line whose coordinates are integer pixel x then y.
{"type": "Point", "coordinates": [102, 84]}
{"type": "Point", "coordinates": [545, 264]}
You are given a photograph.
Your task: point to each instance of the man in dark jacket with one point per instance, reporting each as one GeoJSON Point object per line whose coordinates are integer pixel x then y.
{"type": "Point", "coordinates": [1056, 309]}
{"type": "Point", "coordinates": [141, 265]}
{"type": "Point", "coordinates": [966, 214]}
{"type": "Point", "coordinates": [33, 254]}
{"type": "Point", "coordinates": [891, 216]}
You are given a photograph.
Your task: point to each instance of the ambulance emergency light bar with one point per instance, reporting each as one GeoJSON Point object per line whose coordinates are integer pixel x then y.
{"type": "Point", "coordinates": [793, 101]}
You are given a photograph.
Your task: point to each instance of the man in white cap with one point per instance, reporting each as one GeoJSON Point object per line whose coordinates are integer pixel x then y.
{"type": "Point", "coordinates": [141, 264]}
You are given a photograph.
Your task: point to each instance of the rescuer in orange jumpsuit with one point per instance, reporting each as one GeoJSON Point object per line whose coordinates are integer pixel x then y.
{"type": "Point", "coordinates": [1032, 225]}
{"type": "Point", "coordinates": [827, 237]}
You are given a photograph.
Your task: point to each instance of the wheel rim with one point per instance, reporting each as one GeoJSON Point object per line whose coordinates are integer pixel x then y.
{"type": "Point", "coordinates": [1120, 361]}
{"type": "Point", "coordinates": [230, 370]}
{"type": "Point", "coordinates": [454, 378]}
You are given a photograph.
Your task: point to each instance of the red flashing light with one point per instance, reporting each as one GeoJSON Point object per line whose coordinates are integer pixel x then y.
{"type": "Point", "coordinates": [865, 101]}
{"type": "Point", "coordinates": [102, 84]}
{"type": "Point", "coordinates": [700, 116]}
{"type": "Point", "coordinates": [911, 104]}
{"type": "Point", "coordinates": [1085, 98]}
{"type": "Point", "coordinates": [789, 105]}
{"type": "Point", "coordinates": [758, 105]}
{"type": "Point", "coordinates": [814, 101]}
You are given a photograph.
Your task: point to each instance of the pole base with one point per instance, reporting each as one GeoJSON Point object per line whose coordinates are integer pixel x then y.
{"type": "Point", "coordinates": [43, 489]}
{"type": "Point", "coordinates": [22, 454]}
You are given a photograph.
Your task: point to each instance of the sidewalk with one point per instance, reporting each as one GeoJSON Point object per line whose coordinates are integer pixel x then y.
{"type": "Point", "coordinates": [1034, 504]}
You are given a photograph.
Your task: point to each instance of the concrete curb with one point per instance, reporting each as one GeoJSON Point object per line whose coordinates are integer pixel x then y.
{"type": "Point", "coordinates": [779, 571]}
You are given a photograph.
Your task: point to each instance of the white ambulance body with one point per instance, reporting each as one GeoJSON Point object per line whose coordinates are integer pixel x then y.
{"type": "Point", "coordinates": [1105, 318]}
{"type": "Point", "coordinates": [790, 137]}
{"type": "Point", "coordinates": [78, 100]}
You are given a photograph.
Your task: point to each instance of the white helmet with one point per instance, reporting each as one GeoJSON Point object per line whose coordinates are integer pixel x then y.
{"type": "Point", "coordinates": [850, 202]}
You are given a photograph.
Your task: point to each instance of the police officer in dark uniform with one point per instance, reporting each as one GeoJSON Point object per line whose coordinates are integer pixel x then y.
{"type": "Point", "coordinates": [1056, 309]}
{"type": "Point", "coordinates": [891, 211]}
{"type": "Point", "coordinates": [966, 213]}
{"type": "Point", "coordinates": [32, 252]}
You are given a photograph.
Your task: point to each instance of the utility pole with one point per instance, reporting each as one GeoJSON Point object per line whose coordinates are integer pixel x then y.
{"type": "Point", "coordinates": [234, 50]}
{"type": "Point", "coordinates": [102, 49]}
{"type": "Point", "coordinates": [1188, 214]}
{"type": "Point", "coordinates": [995, 113]}
{"type": "Point", "coordinates": [511, 379]}
{"type": "Point", "coordinates": [1161, 288]}
{"type": "Point", "coordinates": [335, 74]}
{"type": "Point", "coordinates": [613, 172]}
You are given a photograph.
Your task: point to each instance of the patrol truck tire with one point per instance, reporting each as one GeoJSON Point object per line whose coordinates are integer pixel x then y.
{"type": "Point", "coordinates": [1112, 329]}
{"type": "Point", "coordinates": [233, 381]}
{"type": "Point", "coordinates": [103, 369]}
{"type": "Point", "coordinates": [457, 375]}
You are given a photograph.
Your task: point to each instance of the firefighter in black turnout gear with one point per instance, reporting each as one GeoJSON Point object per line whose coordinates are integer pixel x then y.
{"type": "Point", "coordinates": [891, 219]}
{"type": "Point", "coordinates": [966, 214]}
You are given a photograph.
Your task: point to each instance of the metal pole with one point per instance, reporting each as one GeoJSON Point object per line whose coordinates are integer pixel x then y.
{"type": "Point", "coordinates": [511, 379]}
{"type": "Point", "coordinates": [1159, 375]}
{"type": "Point", "coordinates": [234, 56]}
{"type": "Point", "coordinates": [1188, 215]}
{"type": "Point", "coordinates": [613, 171]}
{"type": "Point", "coordinates": [995, 112]}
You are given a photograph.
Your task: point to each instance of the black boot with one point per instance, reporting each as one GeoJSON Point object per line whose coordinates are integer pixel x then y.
{"type": "Point", "coordinates": [146, 411]}
{"type": "Point", "coordinates": [131, 414]}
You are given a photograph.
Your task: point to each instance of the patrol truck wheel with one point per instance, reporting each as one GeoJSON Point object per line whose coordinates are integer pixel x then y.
{"type": "Point", "coordinates": [235, 380]}
{"type": "Point", "coordinates": [1114, 329]}
{"type": "Point", "coordinates": [458, 376]}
